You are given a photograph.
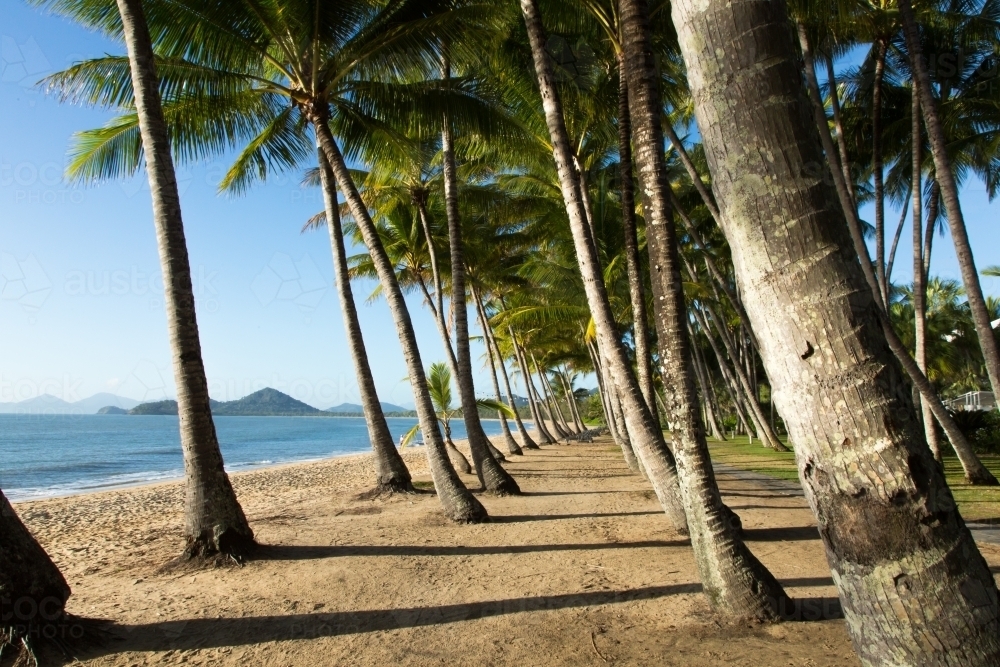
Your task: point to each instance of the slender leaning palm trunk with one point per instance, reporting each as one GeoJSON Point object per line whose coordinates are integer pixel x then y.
{"type": "Point", "coordinates": [949, 195]}
{"type": "Point", "coordinates": [492, 476]}
{"type": "Point", "coordinates": [508, 437]}
{"type": "Point", "coordinates": [735, 582]}
{"type": "Point", "coordinates": [877, 173]}
{"type": "Point", "coordinates": [643, 354]}
{"type": "Point", "coordinates": [975, 471]}
{"type": "Point", "coordinates": [34, 591]}
{"type": "Point", "coordinates": [529, 391]}
{"type": "Point", "coordinates": [919, 284]}
{"type": "Point", "coordinates": [458, 503]}
{"type": "Point", "coordinates": [905, 565]}
{"type": "Point", "coordinates": [526, 440]}
{"type": "Point", "coordinates": [214, 521]}
{"type": "Point", "coordinates": [644, 432]}
{"type": "Point", "coordinates": [390, 470]}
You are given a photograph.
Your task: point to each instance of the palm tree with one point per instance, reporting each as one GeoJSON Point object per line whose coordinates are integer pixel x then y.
{"type": "Point", "coordinates": [975, 471]}
{"type": "Point", "coordinates": [391, 473]}
{"type": "Point", "coordinates": [27, 575]}
{"type": "Point", "coordinates": [439, 386]}
{"type": "Point", "coordinates": [267, 72]}
{"type": "Point", "coordinates": [214, 520]}
{"type": "Point", "coordinates": [643, 432]}
{"type": "Point", "coordinates": [893, 530]}
{"type": "Point", "coordinates": [949, 194]}
{"type": "Point", "coordinates": [735, 581]}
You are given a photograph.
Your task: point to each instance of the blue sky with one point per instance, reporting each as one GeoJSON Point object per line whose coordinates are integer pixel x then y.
{"type": "Point", "coordinates": [80, 300]}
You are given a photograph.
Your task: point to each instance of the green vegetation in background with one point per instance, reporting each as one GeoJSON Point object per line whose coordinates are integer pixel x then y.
{"type": "Point", "coordinates": [976, 503]}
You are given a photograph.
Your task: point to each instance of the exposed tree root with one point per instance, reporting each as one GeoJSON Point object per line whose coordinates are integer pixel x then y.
{"type": "Point", "coordinates": [229, 548]}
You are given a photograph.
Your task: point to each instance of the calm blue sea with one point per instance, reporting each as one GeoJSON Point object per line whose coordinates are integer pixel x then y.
{"type": "Point", "coordinates": [51, 455]}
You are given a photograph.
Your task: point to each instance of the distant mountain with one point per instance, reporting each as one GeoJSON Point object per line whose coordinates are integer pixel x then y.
{"type": "Point", "coordinates": [355, 409]}
{"type": "Point", "coordinates": [49, 404]}
{"type": "Point", "coordinates": [112, 410]}
{"type": "Point", "coordinates": [98, 401]}
{"type": "Point", "coordinates": [264, 403]}
{"type": "Point", "coordinates": [267, 401]}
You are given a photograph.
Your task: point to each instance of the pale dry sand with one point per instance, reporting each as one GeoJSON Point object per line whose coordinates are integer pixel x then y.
{"type": "Point", "coordinates": [581, 570]}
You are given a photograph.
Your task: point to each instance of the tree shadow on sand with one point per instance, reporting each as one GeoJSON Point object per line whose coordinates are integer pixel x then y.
{"type": "Point", "coordinates": [209, 633]}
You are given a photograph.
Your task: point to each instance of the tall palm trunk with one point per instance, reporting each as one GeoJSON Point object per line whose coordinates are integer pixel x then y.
{"type": "Point", "coordinates": [458, 503]}
{"type": "Point", "coordinates": [604, 388]}
{"type": "Point", "coordinates": [735, 582]}
{"type": "Point", "coordinates": [526, 441]}
{"type": "Point", "coordinates": [880, 47]}
{"type": "Point", "coordinates": [905, 565]}
{"type": "Point", "coordinates": [919, 282]}
{"type": "Point", "coordinates": [640, 331]}
{"type": "Point", "coordinates": [33, 590]}
{"type": "Point", "coordinates": [529, 390]}
{"type": "Point", "coordinates": [551, 403]}
{"type": "Point", "coordinates": [390, 470]}
{"type": "Point", "coordinates": [764, 431]}
{"type": "Point", "coordinates": [701, 372]}
{"type": "Point", "coordinates": [975, 471]}
{"type": "Point", "coordinates": [435, 302]}
{"type": "Point", "coordinates": [949, 195]}
{"type": "Point", "coordinates": [492, 476]}
{"type": "Point", "coordinates": [213, 519]}
{"type": "Point", "coordinates": [508, 437]}
{"type": "Point", "coordinates": [838, 122]}
{"type": "Point", "coordinates": [644, 432]}
{"type": "Point", "coordinates": [571, 402]}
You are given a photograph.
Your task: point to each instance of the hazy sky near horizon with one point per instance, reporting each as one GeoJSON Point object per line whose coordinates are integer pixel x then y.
{"type": "Point", "coordinates": [80, 297]}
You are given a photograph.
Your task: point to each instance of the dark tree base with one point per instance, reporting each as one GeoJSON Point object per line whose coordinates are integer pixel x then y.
{"type": "Point", "coordinates": [51, 642]}
{"type": "Point", "coordinates": [984, 478]}
{"type": "Point", "coordinates": [231, 546]}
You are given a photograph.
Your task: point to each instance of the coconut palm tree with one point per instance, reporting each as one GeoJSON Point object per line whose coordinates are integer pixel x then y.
{"type": "Point", "coordinates": [263, 73]}
{"type": "Point", "coordinates": [439, 386]}
{"type": "Point", "coordinates": [819, 348]}
{"type": "Point", "coordinates": [214, 520]}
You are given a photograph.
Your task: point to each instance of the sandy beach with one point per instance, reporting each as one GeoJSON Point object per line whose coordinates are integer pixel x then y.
{"type": "Point", "coordinates": [581, 570]}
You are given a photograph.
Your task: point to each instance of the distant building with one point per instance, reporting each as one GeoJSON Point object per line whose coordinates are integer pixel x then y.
{"type": "Point", "coordinates": [974, 400]}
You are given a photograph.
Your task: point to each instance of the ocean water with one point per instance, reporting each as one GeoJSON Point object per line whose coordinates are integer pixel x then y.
{"type": "Point", "coordinates": [54, 455]}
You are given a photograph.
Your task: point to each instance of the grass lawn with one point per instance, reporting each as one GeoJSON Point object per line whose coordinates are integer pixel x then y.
{"type": "Point", "coordinates": [977, 503]}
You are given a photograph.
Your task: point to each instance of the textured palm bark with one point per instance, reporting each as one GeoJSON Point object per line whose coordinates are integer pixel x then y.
{"type": "Point", "coordinates": [919, 282]}
{"type": "Point", "coordinates": [975, 471]}
{"type": "Point", "coordinates": [214, 521]}
{"type": "Point", "coordinates": [640, 317]}
{"type": "Point", "coordinates": [456, 500]}
{"type": "Point", "coordinates": [391, 473]}
{"type": "Point", "coordinates": [949, 196]}
{"type": "Point", "coordinates": [877, 172]}
{"type": "Point", "coordinates": [604, 390]}
{"type": "Point", "coordinates": [491, 474]}
{"type": "Point", "coordinates": [735, 582]}
{"type": "Point", "coordinates": [644, 432]}
{"type": "Point", "coordinates": [33, 592]}
{"type": "Point", "coordinates": [624, 442]}
{"type": "Point", "coordinates": [914, 588]}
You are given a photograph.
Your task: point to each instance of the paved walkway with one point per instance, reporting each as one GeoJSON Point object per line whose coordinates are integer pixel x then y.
{"type": "Point", "coordinates": [982, 532]}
